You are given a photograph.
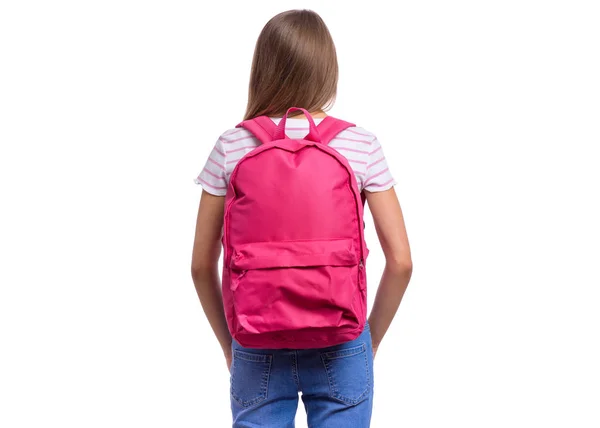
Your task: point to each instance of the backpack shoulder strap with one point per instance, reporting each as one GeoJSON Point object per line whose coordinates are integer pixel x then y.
{"type": "Point", "coordinates": [262, 127]}
{"type": "Point", "coordinates": [330, 127]}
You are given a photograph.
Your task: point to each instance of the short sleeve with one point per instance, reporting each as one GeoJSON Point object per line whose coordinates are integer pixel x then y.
{"type": "Point", "coordinates": [378, 176]}
{"type": "Point", "coordinates": [212, 178]}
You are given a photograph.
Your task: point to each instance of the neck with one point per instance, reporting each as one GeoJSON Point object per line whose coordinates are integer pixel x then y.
{"type": "Point", "coordinates": [315, 114]}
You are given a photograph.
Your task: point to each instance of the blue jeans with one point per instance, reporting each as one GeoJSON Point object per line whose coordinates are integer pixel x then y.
{"type": "Point", "coordinates": [336, 385]}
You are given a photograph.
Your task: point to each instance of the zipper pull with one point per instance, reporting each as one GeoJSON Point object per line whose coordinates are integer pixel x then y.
{"type": "Point", "coordinates": [361, 264]}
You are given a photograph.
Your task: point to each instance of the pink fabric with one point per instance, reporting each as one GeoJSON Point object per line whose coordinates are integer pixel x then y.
{"type": "Point", "coordinates": [266, 131]}
{"type": "Point", "coordinates": [262, 127]}
{"type": "Point", "coordinates": [330, 127]}
{"type": "Point", "coordinates": [263, 255]}
{"type": "Point", "coordinates": [313, 134]}
{"type": "Point", "coordinates": [294, 250]}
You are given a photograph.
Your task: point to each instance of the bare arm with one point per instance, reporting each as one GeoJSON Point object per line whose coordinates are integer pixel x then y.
{"type": "Point", "coordinates": [391, 231]}
{"type": "Point", "coordinates": [205, 258]}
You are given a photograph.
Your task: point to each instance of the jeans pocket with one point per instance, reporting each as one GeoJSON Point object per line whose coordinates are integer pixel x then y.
{"type": "Point", "coordinates": [348, 373]}
{"type": "Point", "coordinates": [249, 377]}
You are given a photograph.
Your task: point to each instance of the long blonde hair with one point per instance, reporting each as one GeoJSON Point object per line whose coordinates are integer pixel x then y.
{"type": "Point", "coordinates": [294, 64]}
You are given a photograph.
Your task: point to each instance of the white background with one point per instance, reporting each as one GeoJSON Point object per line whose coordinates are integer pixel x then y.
{"type": "Point", "coordinates": [489, 115]}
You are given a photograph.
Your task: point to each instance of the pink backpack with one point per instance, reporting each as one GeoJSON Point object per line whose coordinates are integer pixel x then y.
{"type": "Point", "coordinates": [294, 250]}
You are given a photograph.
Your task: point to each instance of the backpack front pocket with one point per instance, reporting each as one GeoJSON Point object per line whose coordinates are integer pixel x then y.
{"type": "Point", "coordinates": [295, 285]}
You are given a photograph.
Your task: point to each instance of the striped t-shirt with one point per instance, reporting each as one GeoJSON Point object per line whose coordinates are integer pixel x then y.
{"type": "Point", "coordinates": [359, 146]}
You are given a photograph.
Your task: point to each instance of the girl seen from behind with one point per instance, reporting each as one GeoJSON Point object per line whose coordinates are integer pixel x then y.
{"type": "Point", "coordinates": [282, 195]}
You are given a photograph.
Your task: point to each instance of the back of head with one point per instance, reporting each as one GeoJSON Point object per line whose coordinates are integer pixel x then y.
{"type": "Point", "coordinates": [294, 64]}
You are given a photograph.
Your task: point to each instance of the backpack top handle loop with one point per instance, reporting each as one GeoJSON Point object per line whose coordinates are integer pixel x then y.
{"type": "Point", "coordinates": [313, 133]}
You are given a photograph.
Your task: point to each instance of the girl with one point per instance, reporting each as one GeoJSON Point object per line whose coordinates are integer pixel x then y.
{"type": "Point", "coordinates": [295, 64]}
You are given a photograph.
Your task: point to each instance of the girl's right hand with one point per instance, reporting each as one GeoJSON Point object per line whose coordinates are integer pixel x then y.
{"type": "Point", "coordinates": [228, 361]}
